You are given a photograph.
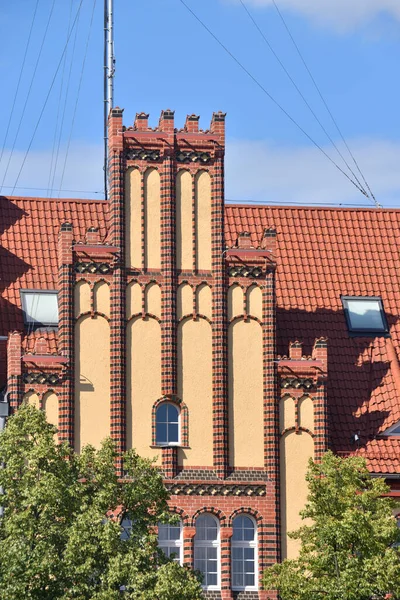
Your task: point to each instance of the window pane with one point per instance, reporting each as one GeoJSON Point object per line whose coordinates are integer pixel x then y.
{"type": "Point", "coordinates": [40, 308]}
{"type": "Point", "coordinates": [161, 433]}
{"type": "Point", "coordinates": [162, 413]}
{"type": "Point", "coordinates": [237, 579]}
{"type": "Point", "coordinates": [212, 579]}
{"type": "Point", "coordinates": [162, 531]}
{"type": "Point", "coordinates": [365, 314]}
{"type": "Point", "coordinates": [126, 528]}
{"type": "Point", "coordinates": [174, 532]}
{"type": "Point", "coordinates": [206, 528]}
{"type": "Point", "coordinates": [248, 553]}
{"type": "Point", "coordinates": [172, 413]}
{"type": "Point", "coordinates": [173, 432]}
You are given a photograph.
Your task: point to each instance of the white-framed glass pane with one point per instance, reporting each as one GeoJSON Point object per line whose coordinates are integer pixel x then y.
{"type": "Point", "coordinates": [243, 529]}
{"type": "Point", "coordinates": [206, 529]}
{"type": "Point", "coordinates": [167, 424]}
{"type": "Point", "coordinates": [40, 307]}
{"type": "Point", "coordinates": [126, 528]}
{"type": "Point", "coordinates": [170, 540]}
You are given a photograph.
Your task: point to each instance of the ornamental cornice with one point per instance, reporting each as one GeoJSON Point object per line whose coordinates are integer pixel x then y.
{"type": "Point", "coordinates": [178, 489]}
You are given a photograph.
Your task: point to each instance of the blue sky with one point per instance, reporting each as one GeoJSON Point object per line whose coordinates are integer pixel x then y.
{"type": "Point", "coordinates": [165, 59]}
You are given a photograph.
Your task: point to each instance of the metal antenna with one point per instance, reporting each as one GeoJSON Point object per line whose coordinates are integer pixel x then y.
{"type": "Point", "coordinates": [109, 70]}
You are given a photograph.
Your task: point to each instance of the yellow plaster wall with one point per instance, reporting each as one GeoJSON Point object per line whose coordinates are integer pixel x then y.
{"type": "Point", "coordinates": [245, 376]}
{"type": "Point", "coordinates": [32, 398]}
{"type": "Point", "coordinates": [203, 220]}
{"type": "Point", "coordinates": [153, 299]}
{"type": "Point", "coordinates": [152, 219]}
{"type": "Point", "coordinates": [235, 301]}
{"type": "Point", "coordinates": [102, 298]}
{"type": "Point", "coordinates": [81, 298]}
{"type": "Point", "coordinates": [306, 413]}
{"type": "Point", "coordinates": [92, 381]}
{"type": "Point", "coordinates": [204, 300]}
{"type": "Point", "coordinates": [184, 260]}
{"type": "Point", "coordinates": [254, 302]}
{"type": "Point", "coordinates": [133, 218]}
{"type": "Point", "coordinates": [143, 382]}
{"type": "Point", "coordinates": [133, 299]}
{"type": "Point", "coordinates": [50, 406]}
{"type": "Point", "coordinates": [184, 300]}
{"type": "Point", "coordinates": [195, 389]}
{"type": "Point", "coordinates": [295, 451]}
{"type": "Point", "coordinates": [287, 413]}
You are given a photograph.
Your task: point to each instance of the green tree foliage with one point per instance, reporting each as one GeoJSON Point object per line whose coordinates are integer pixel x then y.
{"type": "Point", "coordinates": [58, 538]}
{"type": "Point", "coordinates": [348, 549]}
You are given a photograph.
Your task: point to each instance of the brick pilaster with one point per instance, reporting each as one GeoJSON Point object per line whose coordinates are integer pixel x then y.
{"type": "Point", "coordinates": [188, 546]}
{"type": "Point", "coordinates": [168, 350]}
{"type": "Point", "coordinates": [220, 358]}
{"type": "Point", "coordinates": [320, 352]}
{"type": "Point", "coordinates": [14, 369]}
{"type": "Point", "coordinates": [118, 286]}
{"type": "Point", "coordinates": [66, 332]}
{"type": "Point", "coordinates": [226, 535]}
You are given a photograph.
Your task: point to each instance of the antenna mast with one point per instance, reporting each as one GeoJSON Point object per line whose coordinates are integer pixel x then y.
{"type": "Point", "coordinates": [109, 70]}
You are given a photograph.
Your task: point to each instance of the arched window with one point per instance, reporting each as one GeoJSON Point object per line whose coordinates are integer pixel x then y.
{"type": "Point", "coordinates": [244, 551]}
{"type": "Point", "coordinates": [170, 540]}
{"type": "Point", "coordinates": [126, 527]}
{"type": "Point", "coordinates": [167, 424]}
{"type": "Point", "coordinates": [206, 550]}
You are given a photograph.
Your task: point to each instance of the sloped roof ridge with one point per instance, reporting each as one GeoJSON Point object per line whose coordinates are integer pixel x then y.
{"type": "Point", "coordinates": [313, 208]}
{"type": "Point", "coordinates": [44, 199]}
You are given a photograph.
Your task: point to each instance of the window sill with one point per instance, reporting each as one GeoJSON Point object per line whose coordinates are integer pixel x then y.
{"type": "Point", "coordinates": [161, 446]}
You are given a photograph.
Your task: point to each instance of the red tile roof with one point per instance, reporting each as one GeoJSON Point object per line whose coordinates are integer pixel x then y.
{"type": "Point", "coordinates": [321, 254]}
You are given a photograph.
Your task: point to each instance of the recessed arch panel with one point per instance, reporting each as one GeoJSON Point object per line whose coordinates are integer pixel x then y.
{"type": "Point", "coordinates": [204, 300]}
{"type": "Point", "coordinates": [203, 221]}
{"type": "Point", "coordinates": [143, 381]}
{"type": "Point", "coordinates": [92, 381]}
{"type": "Point", "coordinates": [255, 302]}
{"type": "Point", "coordinates": [50, 407]}
{"type": "Point", "coordinates": [195, 389]}
{"type": "Point", "coordinates": [245, 378]}
{"type": "Point", "coordinates": [32, 398]}
{"type": "Point", "coordinates": [102, 298]}
{"type": "Point", "coordinates": [153, 299]}
{"type": "Point", "coordinates": [133, 218]}
{"type": "Point", "coordinates": [133, 299]}
{"type": "Point", "coordinates": [306, 413]}
{"type": "Point", "coordinates": [184, 227]}
{"type": "Point", "coordinates": [81, 298]}
{"type": "Point", "coordinates": [184, 300]}
{"type": "Point", "coordinates": [235, 301]}
{"type": "Point", "coordinates": [287, 413]}
{"type": "Point", "coordinates": [152, 219]}
{"type": "Point", "coordinates": [295, 451]}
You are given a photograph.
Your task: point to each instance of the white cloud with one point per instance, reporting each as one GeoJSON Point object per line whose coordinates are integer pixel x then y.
{"type": "Point", "coordinates": [264, 171]}
{"type": "Point", "coordinates": [83, 172]}
{"type": "Point", "coordinates": [341, 14]}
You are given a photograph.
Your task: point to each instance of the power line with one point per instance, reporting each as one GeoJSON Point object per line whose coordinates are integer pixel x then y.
{"type": "Point", "coordinates": [19, 81]}
{"type": "Point", "coordinates": [21, 187]}
{"type": "Point", "coordinates": [59, 105]}
{"type": "Point", "coordinates": [300, 93]}
{"type": "Point", "coordinates": [324, 102]}
{"type": "Point", "coordinates": [77, 95]}
{"type": "Point", "coordinates": [263, 89]}
{"type": "Point", "coordinates": [29, 92]}
{"type": "Point", "coordinates": [47, 98]}
{"type": "Point", "coordinates": [65, 104]}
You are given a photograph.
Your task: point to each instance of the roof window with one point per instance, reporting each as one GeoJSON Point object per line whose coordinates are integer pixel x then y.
{"type": "Point", "coordinates": [365, 315]}
{"type": "Point", "coordinates": [40, 308]}
{"type": "Point", "coordinates": [394, 430]}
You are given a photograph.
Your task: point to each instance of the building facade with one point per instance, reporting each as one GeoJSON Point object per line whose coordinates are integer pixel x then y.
{"type": "Point", "coordinates": [198, 333]}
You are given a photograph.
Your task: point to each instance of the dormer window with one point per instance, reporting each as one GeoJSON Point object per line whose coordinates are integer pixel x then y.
{"type": "Point", "coordinates": [40, 308]}
{"type": "Point", "coordinates": [365, 315]}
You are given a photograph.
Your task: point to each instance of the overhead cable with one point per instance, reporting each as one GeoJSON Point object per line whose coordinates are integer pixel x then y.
{"type": "Point", "coordinates": [29, 92]}
{"type": "Point", "coordinates": [77, 96]}
{"type": "Point", "coordinates": [301, 93]}
{"type": "Point", "coordinates": [47, 97]}
{"type": "Point", "coordinates": [265, 91]}
{"type": "Point", "coordinates": [19, 80]}
{"type": "Point", "coordinates": [325, 102]}
{"type": "Point", "coordinates": [58, 107]}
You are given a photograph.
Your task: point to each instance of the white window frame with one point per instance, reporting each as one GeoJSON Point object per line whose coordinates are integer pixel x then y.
{"type": "Point", "coordinates": [30, 320]}
{"type": "Point", "coordinates": [165, 444]}
{"type": "Point", "coordinates": [173, 543]}
{"type": "Point", "coordinates": [246, 544]}
{"type": "Point", "coordinates": [367, 331]}
{"type": "Point", "coordinates": [210, 544]}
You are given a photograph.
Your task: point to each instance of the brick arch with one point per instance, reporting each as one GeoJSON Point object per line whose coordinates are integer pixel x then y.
{"type": "Point", "coordinates": [245, 318]}
{"type": "Point", "coordinates": [184, 414]}
{"type": "Point", "coordinates": [296, 429]}
{"type": "Point", "coordinates": [246, 510]}
{"type": "Point", "coordinates": [181, 513]}
{"type": "Point", "coordinates": [143, 316]}
{"type": "Point", "coordinates": [91, 314]}
{"type": "Point", "coordinates": [191, 317]}
{"type": "Point", "coordinates": [216, 512]}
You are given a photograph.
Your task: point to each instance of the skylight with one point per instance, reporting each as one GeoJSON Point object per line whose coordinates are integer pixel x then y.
{"type": "Point", "coordinates": [394, 430]}
{"type": "Point", "coordinates": [40, 308]}
{"type": "Point", "coordinates": [365, 315]}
